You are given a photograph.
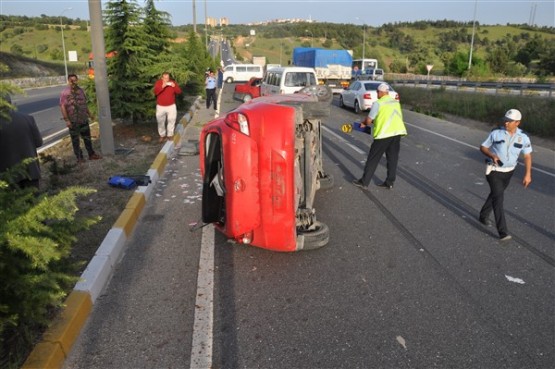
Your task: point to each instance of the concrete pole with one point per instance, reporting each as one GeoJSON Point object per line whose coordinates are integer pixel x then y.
{"type": "Point", "coordinates": [64, 43]}
{"type": "Point", "coordinates": [101, 79]}
{"type": "Point", "coordinates": [473, 32]}
{"type": "Point", "coordinates": [194, 17]}
{"type": "Point", "coordinates": [205, 25]}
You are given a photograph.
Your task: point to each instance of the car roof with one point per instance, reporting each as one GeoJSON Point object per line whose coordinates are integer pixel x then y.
{"type": "Point", "coordinates": [371, 85]}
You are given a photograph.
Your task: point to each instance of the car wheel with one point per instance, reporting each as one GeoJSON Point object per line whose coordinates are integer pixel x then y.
{"type": "Point", "coordinates": [313, 239]}
{"type": "Point", "coordinates": [247, 98]}
{"type": "Point", "coordinates": [229, 80]}
{"type": "Point", "coordinates": [357, 107]}
{"type": "Point", "coordinates": [341, 103]}
{"type": "Point", "coordinates": [326, 182]}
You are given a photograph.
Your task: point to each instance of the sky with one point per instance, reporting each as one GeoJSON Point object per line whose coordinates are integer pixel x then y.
{"type": "Point", "coordinates": [370, 12]}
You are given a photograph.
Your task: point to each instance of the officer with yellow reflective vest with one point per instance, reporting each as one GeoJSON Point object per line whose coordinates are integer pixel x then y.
{"type": "Point", "coordinates": [387, 117]}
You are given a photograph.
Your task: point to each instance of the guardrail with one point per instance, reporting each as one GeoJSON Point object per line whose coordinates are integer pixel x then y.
{"type": "Point", "coordinates": [521, 88]}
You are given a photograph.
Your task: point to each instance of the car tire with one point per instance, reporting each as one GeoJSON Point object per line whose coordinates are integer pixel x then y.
{"type": "Point", "coordinates": [341, 103]}
{"type": "Point", "coordinates": [312, 240]}
{"type": "Point", "coordinates": [326, 182]}
{"type": "Point", "coordinates": [357, 107]}
{"type": "Point", "coordinates": [247, 98]}
{"type": "Point", "coordinates": [229, 80]}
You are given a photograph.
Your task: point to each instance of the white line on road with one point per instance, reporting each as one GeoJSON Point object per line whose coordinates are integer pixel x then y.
{"type": "Point", "coordinates": [342, 139]}
{"type": "Point", "coordinates": [201, 350]}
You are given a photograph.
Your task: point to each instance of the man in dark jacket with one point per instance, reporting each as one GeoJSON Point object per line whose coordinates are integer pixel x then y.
{"type": "Point", "coordinates": [19, 140]}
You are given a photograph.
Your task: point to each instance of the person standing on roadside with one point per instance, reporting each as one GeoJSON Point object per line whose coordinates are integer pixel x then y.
{"type": "Point", "coordinates": [502, 148]}
{"type": "Point", "coordinates": [387, 117]}
{"type": "Point", "coordinates": [165, 90]}
{"type": "Point", "coordinates": [76, 114]}
{"type": "Point", "coordinates": [211, 96]}
{"type": "Point", "coordinates": [220, 77]}
{"type": "Point", "coordinates": [19, 140]}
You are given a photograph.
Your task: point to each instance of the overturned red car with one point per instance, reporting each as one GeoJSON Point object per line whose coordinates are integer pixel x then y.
{"type": "Point", "coordinates": [261, 166]}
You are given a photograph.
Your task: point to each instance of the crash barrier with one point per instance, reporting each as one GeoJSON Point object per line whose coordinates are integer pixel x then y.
{"type": "Point", "coordinates": [514, 88]}
{"type": "Point", "coordinates": [59, 338]}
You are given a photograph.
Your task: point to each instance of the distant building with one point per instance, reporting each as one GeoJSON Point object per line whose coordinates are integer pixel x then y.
{"type": "Point", "coordinates": [212, 22]}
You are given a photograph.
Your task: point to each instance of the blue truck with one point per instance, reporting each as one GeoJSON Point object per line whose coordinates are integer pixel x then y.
{"type": "Point", "coordinates": [333, 67]}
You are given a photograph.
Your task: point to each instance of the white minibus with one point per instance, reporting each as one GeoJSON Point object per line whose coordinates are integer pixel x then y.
{"type": "Point", "coordinates": [242, 72]}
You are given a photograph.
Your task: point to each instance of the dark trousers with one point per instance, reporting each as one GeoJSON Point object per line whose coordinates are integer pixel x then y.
{"type": "Point", "coordinates": [498, 182]}
{"type": "Point", "coordinates": [81, 130]}
{"type": "Point", "coordinates": [211, 96]}
{"type": "Point", "coordinates": [390, 146]}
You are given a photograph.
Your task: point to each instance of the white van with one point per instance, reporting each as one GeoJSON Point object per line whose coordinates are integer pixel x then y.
{"type": "Point", "coordinates": [242, 72]}
{"type": "Point", "coordinates": [372, 74]}
{"type": "Point", "coordinates": [287, 80]}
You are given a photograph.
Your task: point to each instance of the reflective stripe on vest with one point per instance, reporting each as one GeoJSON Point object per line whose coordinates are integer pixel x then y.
{"type": "Point", "coordinates": [389, 121]}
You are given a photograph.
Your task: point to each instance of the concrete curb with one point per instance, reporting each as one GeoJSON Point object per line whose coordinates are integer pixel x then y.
{"type": "Point", "coordinates": [59, 338]}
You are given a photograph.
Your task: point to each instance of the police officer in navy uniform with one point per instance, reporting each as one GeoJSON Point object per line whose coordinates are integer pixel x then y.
{"type": "Point", "coordinates": [210, 84]}
{"type": "Point", "coordinates": [502, 149]}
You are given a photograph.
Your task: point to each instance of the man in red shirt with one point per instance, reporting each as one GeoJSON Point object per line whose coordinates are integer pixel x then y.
{"type": "Point", "coordinates": [165, 90]}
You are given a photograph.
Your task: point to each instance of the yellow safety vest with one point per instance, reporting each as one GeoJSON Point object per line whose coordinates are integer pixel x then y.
{"type": "Point", "coordinates": [389, 121]}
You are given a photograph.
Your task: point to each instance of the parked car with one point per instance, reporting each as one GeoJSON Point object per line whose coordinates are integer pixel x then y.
{"type": "Point", "coordinates": [372, 74]}
{"type": "Point", "coordinates": [247, 91]}
{"type": "Point", "coordinates": [360, 95]}
{"type": "Point", "coordinates": [261, 166]}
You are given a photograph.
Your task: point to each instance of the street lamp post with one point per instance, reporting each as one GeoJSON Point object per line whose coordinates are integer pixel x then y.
{"type": "Point", "coordinates": [63, 39]}
{"type": "Point", "coordinates": [363, 39]}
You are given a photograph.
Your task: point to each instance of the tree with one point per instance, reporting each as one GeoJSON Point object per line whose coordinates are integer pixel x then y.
{"type": "Point", "coordinates": [457, 65]}
{"type": "Point", "coordinates": [498, 60]}
{"type": "Point", "coordinates": [156, 26]}
{"type": "Point", "coordinates": [198, 60]}
{"type": "Point", "coordinates": [547, 60]}
{"type": "Point", "coordinates": [128, 85]}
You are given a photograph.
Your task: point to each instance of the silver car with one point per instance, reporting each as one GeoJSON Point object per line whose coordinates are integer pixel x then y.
{"type": "Point", "coordinates": [360, 95]}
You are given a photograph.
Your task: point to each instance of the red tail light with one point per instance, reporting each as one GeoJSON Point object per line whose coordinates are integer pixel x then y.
{"type": "Point", "coordinates": [238, 122]}
{"type": "Point", "coordinates": [367, 97]}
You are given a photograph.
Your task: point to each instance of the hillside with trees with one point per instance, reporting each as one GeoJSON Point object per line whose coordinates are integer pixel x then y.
{"type": "Point", "coordinates": [498, 51]}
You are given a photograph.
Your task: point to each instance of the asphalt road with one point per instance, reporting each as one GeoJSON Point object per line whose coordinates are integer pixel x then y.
{"type": "Point", "coordinates": [410, 278]}
{"type": "Point", "coordinates": [43, 104]}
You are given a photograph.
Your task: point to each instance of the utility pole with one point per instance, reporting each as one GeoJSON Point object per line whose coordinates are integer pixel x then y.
{"type": "Point", "coordinates": [194, 16]}
{"type": "Point", "coordinates": [205, 25]}
{"type": "Point", "coordinates": [101, 79]}
{"type": "Point", "coordinates": [473, 32]}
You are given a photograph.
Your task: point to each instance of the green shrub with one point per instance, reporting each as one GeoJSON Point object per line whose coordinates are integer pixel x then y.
{"type": "Point", "coordinates": [537, 112]}
{"type": "Point", "coordinates": [36, 235]}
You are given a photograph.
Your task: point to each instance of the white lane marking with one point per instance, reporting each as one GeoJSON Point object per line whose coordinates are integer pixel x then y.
{"type": "Point", "coordinates": [472, 146]}
{"type": "Point", "coordinates": [201, 350]}
{"type": "Point", "coordinates": [342, 139]}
